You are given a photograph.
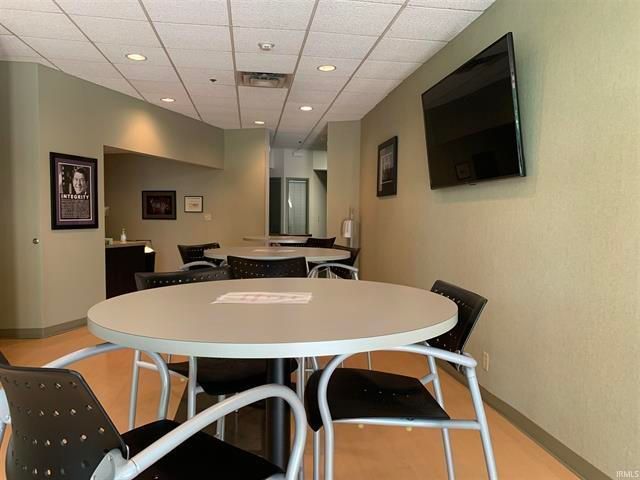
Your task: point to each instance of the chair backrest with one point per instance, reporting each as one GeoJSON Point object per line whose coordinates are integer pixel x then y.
{"type": "Point", "coordinates": [246, 268]}
{"type": "Point", "coordinates": [470, 306]}
{"type": "Point", "coordinates": [59, 428]}
{"type": "Point", "coordinates": [145, 281]}
{"type": "Point", "coordinates": [192, 253]}
{"type": "Point", "coordinates": [320, 242]}
{"type": "Point", "coordinates": [353, 251]}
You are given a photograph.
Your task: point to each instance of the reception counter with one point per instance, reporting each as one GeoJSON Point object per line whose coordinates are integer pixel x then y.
{"type": "Point", "coordinates": [122, 261]}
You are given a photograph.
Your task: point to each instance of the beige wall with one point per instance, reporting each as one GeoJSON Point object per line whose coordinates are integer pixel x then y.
{"type": "Point", "coordinates": [127, 175]}
{"type": "Point", "coordinates": [80, 118]}
{"type": "Point", "coordinates": [343, 180]}
{"type": "Point", "coordinates": [556, 253]}
{"type": "Point", "coordinates": [20, 259]}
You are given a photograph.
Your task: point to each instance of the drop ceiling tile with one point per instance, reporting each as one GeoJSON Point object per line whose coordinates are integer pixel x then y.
{"type": "Point", "coordinates": [40, 24]}
{"type": "Point", "coordinates": [32, 5]}
{"type": "Point", "coordinates": [148, 72]}
{"type": "Point", "coordinates": [478, 5]}
{"type": "Point", "coordinates": [337, 45]}
{"type": "Point", "coordinates": [266, 62]}
{"type": "Point", "coordinates": [117, 54]}
{"type": "Point", "coordinates": [370, 85]}
{"type": "Point", "coordinates": [4, 31]}
{"type": "Point", "coordinates": [209, 103]}
{"type": "Point", "coordinates": [257, 94]}
{"type": "Point", "coordinates": [321, 83]}
{"type": "Point", "coordinates": [201, 59]}
{"type": "Point", "coordinates": [420, 23]}
{"type": "Point", "coordinates": [88, 69]}
{"type": "Point", "coordinates": [162, 88]}
{"type": "Point", "coordinates": [65, 49]}
{"type": "Point", "coordinates": [127, 9]}
{"type": "Point", "coordinates": [386, 70]}
{"type": "Point", "coordinates": [178, 94]}
{"type": "Point", "coordinates": [287, 42]}
{"type": "Point", "coordinates": [302, 95]}
{"type": "Point", "coordinates": [341, 116]}
{"type": "Point", "coordinates": [13, 47]}
{"type": "Point", "coordinates": [277, 14]}
{"type": "Point", "coordinates": [117, 84]}
{"type": "Point", "coordinates": [226, 121]}
{"type": "Point", "coordinates": [203, 75]}
{"type": "Point", "coordinates": [354, 99]}
{"type": "Point", "coordinates": [117, 31]}
{"type": "Point", "coordinates": [202, 12]}
{"type": "Point", "coordinates": [396, 2]}
{"type": "Point", "coordinates": [18, 58]}
{"type": "Point", "coordinates": [213, 90]}
{"type": "Point", "coordinates": [186, 109]}
{"type": "Point", "coordinates": [400, 50]}
{"type": "Point", "coordinates": [344, 66]}
{"type": "Point", "coordinates": [270, 117]}
{"type": "Point", "coordinates": [197, 37]}
{"type": "Point", "coordinates": [355, 18]}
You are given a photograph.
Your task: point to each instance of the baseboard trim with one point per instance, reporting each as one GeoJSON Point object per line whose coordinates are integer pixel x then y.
{"type": "Point", "coordinates": [31, 333]}
{"type": "Point", "coordinates": [555, 447]}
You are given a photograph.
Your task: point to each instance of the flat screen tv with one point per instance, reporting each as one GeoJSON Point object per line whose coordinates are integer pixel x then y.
{"type": "Point", "coordinates": [471, 120]}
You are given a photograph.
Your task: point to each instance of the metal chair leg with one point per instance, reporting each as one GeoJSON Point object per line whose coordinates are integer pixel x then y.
{"type": "Point", "coordinates": [192, 383]}
{"type": "Point", "coordinates": [478, 406]}
{"type": "Point", "coordinates": [446, 441]}
{"type": "Point", "coordinates": [133, 395]}
{"type": "Point", "coordinates": [369, 360]}
{"type": "Point", "coordinates": [316, 455]}
{"type": "Point", "coordinates": [220, 425]}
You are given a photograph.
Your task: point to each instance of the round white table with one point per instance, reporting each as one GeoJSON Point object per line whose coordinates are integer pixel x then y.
{"type": "Point", "coordinates": [276, 238]}
{"type": "Point", "coordinates": [342, 316]}
{"type": "Point", "coordinates": [278, 253]}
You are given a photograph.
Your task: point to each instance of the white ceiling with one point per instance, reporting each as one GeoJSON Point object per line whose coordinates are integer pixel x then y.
{"type": "Point", "coordinates": [374, 44]}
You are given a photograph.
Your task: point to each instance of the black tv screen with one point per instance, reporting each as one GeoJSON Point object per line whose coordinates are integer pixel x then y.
{"type": "Point", "coordinates": [471, 120]}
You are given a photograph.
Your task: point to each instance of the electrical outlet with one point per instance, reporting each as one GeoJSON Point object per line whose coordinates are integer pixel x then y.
{"type": "Point", "coordinates": [485, 361]}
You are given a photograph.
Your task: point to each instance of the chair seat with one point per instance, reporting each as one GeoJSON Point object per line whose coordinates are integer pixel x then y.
{"type": "Point", "coordinates": [223, 376]}
{"type": "Point", "coordinates": [202, 456]}
{"type": "Point", "coordinates": [355, 393]}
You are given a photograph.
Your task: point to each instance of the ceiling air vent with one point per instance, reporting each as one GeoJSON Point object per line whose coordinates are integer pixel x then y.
{"type": "Point", "coordinates": [264, 80]}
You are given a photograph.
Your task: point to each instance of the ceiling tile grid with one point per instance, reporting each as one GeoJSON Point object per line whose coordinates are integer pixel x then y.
{"type": "Point", "coordinates": [373, 45]}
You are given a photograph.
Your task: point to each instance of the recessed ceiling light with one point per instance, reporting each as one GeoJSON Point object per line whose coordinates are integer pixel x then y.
{"type": "Point", "coordinates": [266, 46]}
{"type": "Point", "coordinates": [136, 57]}
{"type": "Point", "coordinates": [327, 68]}
{"type": "Point", "coordinates": [258, 122]}
{"type": "Point", "coordinates": [306, 108]}
{"type": "Point", "coordinates": [168, 99]}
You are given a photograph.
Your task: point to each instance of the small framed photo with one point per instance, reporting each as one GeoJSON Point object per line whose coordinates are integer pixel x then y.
{"type": "Point", "coordinates": [388, 168]}
{"type": "Point", "coordinates": [74, 191]}
{"type": "Point", "coordinates": [159, 205]}
{"type": "Point", "coordinates": [192, 204]}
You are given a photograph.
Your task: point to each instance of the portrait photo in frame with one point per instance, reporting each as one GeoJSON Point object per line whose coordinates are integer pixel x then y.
{"type": "Point", "coordinates": [388, 168]}
{"type": "Point", "coordinates": [74, 191]}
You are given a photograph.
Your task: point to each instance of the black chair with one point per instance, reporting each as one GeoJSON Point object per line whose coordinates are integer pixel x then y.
{"type": "Point", "coordinates": [349, 262]}
{"type": "Point", "coordinates": [216, 376]}
{"type": "Point", "coordinates": [247, 268]}
{"type": "Point", "coordinates": [372, 397]}
{"type": "Point", "coordinates": [60, 430]}
{"type": "Point", "coordinates": [195, 253]}
{"type": "Point", "coordinates": [320, 242]}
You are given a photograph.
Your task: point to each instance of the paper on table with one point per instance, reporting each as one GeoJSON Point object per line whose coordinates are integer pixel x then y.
{"type": "Point", "coordinates": [264, 297]}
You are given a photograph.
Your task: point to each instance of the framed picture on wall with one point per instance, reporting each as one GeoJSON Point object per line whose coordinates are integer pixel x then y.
{"type": "Point", "coordinates": [74, 191]}
{"type": "Point", "coordinates": [388, 168]}
{"type": "Point", "coordinates": [159, 205]}
{"type": "Point", "coordinates": [192, 204]}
